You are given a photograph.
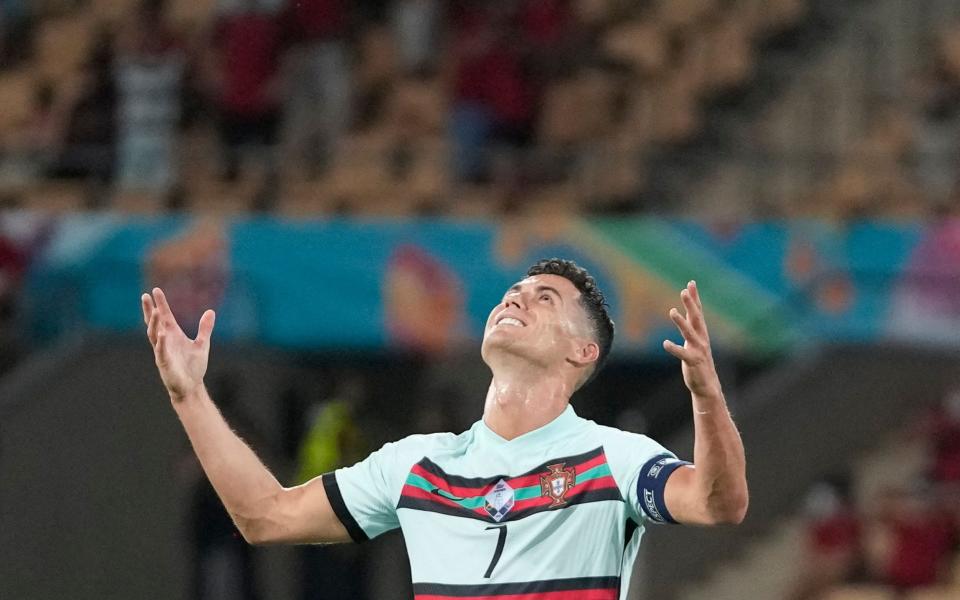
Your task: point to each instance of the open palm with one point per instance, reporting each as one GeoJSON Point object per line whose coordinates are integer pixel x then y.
{"type": "Point", "coordinates": [699, 372]}
{"type": "Point", "coordinates": [182, 362]}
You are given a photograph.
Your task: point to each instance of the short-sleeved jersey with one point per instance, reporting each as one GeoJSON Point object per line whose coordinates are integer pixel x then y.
{"type": "Point", "coordinates": [554, 514]}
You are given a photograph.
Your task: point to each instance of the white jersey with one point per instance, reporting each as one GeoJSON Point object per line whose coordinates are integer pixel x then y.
{"type": "Point", "coordinates": [555, 514]}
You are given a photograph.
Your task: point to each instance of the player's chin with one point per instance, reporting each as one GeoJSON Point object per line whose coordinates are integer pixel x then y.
{"type": "Point", "coordinates": [497, 339]}
{"type": "Point", "coordinates": [500, 334]}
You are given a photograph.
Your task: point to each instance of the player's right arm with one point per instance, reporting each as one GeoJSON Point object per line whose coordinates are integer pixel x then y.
{"type": "Point", "coordinates": [264, 511]}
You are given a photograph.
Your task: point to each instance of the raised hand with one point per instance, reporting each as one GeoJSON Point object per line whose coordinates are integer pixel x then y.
{"type": "Point", "coordinates": [182, 362]}
{"type": "Point", "coordinates": [699, 372]}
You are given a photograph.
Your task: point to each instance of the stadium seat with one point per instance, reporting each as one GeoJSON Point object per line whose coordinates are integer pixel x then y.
{"type": "Point", "coordinates": [16, 99]}
{"type": "Point", "coordinates": [950, 49]}
{"type": "Point", "coordinates": [677, 15]}
{"type": "Point", "coordinates": [417, 108]}
{"type": "Point", "coordinates": [553, 200]}
{"type": "Point", "coordinates": [860, 592]}
{"type": "Point", "coordinates": [137, 203]}
{"type": "Point", "coordinates": [937, 593]}
{"type": "Point", "coordinates": [305, 199]}
{"type": "Point", "coordinates": [638, 44]}
{"type": "Point", "coordinates": [767, 17]}
{"type": "Point", "coordinates": [359, 168]}
{"type": "Point", "coordinates": [54, 197]}
{"type": "Point", "coordinates": [377, 64]}
{"type": "Point", "coordinates": [49, 8]}
{"type": "Point", "coordinates": [556, 127]}
{"type": "Point", "coordinates": [781, 14]}
{"type": "Point", "coordinates": [61, 45]}
{"type": "Point", "coordinates": [614, 174]}
{"type": "Point", "coordinates": [429, 177]}
{"type": "Point", "coordinates": [593, 12]}
{"type": "Point", "coordinates": [578, 110]}
{"type": "Point", "coordinates": [676, 113]}
{"type": "Point", "coordinates": [112, 10]}
{"type": "Point", "coordinates": [730, 53]}
{"type": "Point", "coordinates": [191, 14]}
{"type": "Point", "coordinates": [472, 202]}
{"type": "Point", "coordinates": [639, 112]}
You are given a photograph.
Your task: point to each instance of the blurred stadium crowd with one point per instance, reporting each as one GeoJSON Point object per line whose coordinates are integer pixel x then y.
{"type": "Point", "coordinates": [413, 106]}
{"type": "Point", "coordinates": [898, 535]}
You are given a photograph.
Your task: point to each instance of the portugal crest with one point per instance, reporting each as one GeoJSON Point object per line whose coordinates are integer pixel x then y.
{"type": "Point", "coordinates": [557, 483]}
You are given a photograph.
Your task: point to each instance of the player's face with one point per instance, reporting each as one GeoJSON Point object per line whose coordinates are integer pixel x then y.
{"type": "Point", "coordinates": [539, 319]}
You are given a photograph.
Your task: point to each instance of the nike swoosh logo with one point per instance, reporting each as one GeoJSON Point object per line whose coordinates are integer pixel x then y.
{"type": "Point", "coordinates": [438, 492]}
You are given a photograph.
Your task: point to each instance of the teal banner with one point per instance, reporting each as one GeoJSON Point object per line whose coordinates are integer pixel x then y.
{"type": "Point", "coordinates": [428, 285]}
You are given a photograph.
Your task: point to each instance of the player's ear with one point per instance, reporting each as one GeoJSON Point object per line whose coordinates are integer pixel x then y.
{"type": "Point", "coordinates": [584, 353]}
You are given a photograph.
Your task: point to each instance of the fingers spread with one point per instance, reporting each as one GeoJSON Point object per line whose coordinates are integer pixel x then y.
{"type": "Point", "coordinates": [163, 307]}
{"type": "Point", "coordinates": [694, 313]}
{"type": "Point", "coordinates": [146, 304]}
{"type": "Point", "coordinates": [152, 327]}
{"type": "Point", "coordinates": [695, 291]}
{"type": "Point", "coordinates": [676, 350]}
{"type": "Point", "coordinates": [695, 310]}
{"type": "Point", "coordinates": [206, 327]}
{"type": "Point", "coordinates": [683, 325]}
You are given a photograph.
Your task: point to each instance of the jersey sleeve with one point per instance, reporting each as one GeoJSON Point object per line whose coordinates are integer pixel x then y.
{"type": "Point", "coordinates": [364, 496]}
{"type": "Point", "coordinates": [641, 467]}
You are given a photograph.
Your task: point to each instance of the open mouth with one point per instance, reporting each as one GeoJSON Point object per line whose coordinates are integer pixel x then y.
{"type": "Point", "coordinates": [511, 321]}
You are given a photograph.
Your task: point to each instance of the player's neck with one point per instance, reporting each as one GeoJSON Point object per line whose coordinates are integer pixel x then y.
{"type": "Point", "coordinates": [517, 402]}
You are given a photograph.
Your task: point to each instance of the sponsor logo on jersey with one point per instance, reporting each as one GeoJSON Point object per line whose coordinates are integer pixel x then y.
{"type": "Point", "coordinates": [654, 471]}
{"type": "Point", "coordinates": [557, 483]}
{"type": "Point", "coordinates": [499, 501]}
{"type": "Point", "coordinates": [651, 504]}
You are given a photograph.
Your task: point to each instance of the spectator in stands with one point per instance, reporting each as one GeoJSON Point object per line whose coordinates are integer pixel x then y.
{"type": "Point", "coordinates": [910, 539]}
{"type": "Point", "coordinates": [547, 29]}
{"type": "Point", "coordinates": [88, 144]}
{"type": "Point", "coordinates": [44, 129]}
{"type": "Point", "coordinates": [23, 236]}
{"type": "Point", "coordinates": [149, 71]}
{"type": "Point", "coordinates": [493, 100]}
{"type": "Point", "coordinates": [416, 27]}
{"type": "Point", "coordinates": [319, 103]}
{"type": "Point", "coordinates": [30, 150]}
{"type": "Point", "coordinates": [941, 427]}
{"type": "Point", "coordinates": [245, 82]}
{"type": "Point", "coordinates": [833, 551]}
{"type": "Point", "coordinates": [13, 263]}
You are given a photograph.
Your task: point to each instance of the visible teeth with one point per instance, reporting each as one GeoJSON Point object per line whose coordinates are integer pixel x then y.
{"type": "Point", "coordinates": [510, 321]}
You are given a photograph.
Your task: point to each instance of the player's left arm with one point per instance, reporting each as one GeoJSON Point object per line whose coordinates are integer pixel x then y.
{"type": "Point", "coordinates": [713, 490]}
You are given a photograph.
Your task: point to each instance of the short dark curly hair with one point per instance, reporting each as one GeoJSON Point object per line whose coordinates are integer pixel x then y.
{"type": "Point", "coordinates": [591, 298]}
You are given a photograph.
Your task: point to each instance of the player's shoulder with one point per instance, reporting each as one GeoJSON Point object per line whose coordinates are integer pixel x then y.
{"type": "Point", "coordinates": [626, 444]}
{"type": "Point", "coordinates": [412, 448]}
{"type": "Point", "coordinates": [419, 441]}
{"type": "Point", "coordinates": [615, 434]}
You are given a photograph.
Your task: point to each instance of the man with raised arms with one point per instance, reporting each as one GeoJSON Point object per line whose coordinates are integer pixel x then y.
{"type": "Point", "coordinates": [532, 502]}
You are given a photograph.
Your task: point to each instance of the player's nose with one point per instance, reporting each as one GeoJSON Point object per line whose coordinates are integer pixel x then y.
{"type": "Point", "coordinates": [517, 300]}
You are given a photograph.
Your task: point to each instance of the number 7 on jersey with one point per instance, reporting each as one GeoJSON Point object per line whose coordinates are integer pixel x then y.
{"type": "Point", "coordinates": [501, 542]}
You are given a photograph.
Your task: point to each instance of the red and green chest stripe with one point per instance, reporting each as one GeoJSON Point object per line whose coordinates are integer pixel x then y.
{"type": "Point", "coordinates": [553, 485]}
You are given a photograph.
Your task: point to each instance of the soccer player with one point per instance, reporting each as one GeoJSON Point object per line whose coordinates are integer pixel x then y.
{"type": "Point", "coordinates": [532, 502]}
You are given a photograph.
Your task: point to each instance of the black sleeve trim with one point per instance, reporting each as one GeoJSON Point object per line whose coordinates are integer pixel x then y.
{"type": "Point", "coordinates": [340, 508]}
